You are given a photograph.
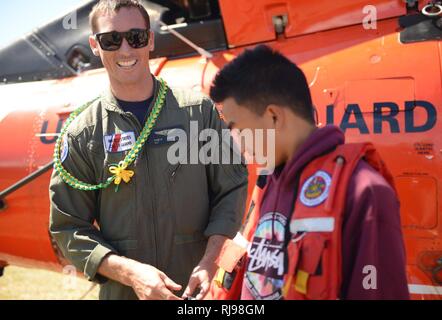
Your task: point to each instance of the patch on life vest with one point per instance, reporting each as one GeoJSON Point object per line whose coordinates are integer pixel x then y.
{"type": "Point", "coordinates": [65, 149]}
{"type": "Point", "coordinates": [119, 142]}
{"type": "Point", "coordinates": [315, 189]}
{"type": "Point", "coordinates": [165, 135]}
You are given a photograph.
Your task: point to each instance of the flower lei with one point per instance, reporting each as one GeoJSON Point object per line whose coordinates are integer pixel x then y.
{"type": "Point", "coordinates": [119, 171]}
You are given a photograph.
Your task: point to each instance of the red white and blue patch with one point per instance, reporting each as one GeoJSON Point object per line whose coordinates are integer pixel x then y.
{"type": "Point", "coordinates": [119, 142]}
{"type": "Point", "coordinates": [315, 189]}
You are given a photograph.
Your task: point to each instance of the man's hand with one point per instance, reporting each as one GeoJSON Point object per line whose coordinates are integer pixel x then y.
{"type": "Point", "coordinates": [148, 282]}
{"type": "Point", "coordinates": [204, 272]}
{"type": "Point", "coordinates": [201, 278]}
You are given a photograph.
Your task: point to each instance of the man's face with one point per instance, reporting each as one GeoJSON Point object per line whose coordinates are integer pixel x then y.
{"type": "Point", "coordinates": [125, 65]}
{"type": "Point", "coordinates": [245, 123]}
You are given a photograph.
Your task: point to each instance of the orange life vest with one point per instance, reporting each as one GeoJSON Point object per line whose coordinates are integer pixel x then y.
{"type": "Point", "coordinates": [314, 250]}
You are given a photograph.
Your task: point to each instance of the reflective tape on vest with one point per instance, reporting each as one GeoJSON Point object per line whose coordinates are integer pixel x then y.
{"type": "Point", "coordinates": [326, 224]}
{"type": "Point", "coordinates": [241, 241]}
{"type": "Point", "coordinates": [424, 289]}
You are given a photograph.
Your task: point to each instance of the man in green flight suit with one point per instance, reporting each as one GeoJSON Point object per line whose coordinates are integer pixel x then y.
{"type": "Point", "coordinates": [165, 225]}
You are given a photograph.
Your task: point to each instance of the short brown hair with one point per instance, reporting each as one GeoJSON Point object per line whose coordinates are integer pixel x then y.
{"type": "Point", "coordinates": [104, 7]}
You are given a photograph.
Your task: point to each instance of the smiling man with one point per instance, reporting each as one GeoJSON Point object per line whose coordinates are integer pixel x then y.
{"type": "Point", "coordinates": [120, 212]}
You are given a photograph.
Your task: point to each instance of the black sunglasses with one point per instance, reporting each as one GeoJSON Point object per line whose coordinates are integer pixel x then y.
{"type": "Point", "coordinates": [111, 41]}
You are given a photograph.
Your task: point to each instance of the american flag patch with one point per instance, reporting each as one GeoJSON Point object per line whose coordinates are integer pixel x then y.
{"type": "Point", "coordinates": [119, 142]}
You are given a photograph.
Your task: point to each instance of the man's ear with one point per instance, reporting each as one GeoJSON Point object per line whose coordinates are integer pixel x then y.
{"type": "Point", "coordinates": [151, 41]}
{"type": "Point", "coordinates": [94, 45]}
{"type": "Point", "coordinates": [274, 115]}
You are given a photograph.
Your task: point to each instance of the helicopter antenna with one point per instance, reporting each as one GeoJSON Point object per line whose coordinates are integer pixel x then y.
{"type": "Point", "coordinates": [200, 50]}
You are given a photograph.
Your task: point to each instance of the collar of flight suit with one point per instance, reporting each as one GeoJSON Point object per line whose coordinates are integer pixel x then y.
{"type": "Point", "coordinates": [110, 103]}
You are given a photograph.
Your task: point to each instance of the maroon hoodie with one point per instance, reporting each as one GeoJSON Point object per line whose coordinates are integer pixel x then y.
{"type": "Point", "coordinates": [372, 246]}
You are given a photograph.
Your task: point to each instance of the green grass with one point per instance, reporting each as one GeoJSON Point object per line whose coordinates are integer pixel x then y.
{"type": "Point", "coordinates": [33, 284]}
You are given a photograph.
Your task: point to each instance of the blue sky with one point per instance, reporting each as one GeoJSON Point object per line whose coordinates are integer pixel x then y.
{"type": "Point", "coordinates": [18, 17]}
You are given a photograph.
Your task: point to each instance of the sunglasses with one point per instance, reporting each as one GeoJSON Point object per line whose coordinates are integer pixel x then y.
{"type": "Point", "coordinates": [111, 41]}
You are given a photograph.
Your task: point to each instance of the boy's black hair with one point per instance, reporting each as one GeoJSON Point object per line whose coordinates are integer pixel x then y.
{"type": "Point", "coordinates": [262, 76]}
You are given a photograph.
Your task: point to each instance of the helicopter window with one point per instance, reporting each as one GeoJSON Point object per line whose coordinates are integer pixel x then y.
{"type": "Point", "coordinates": [199, 9]}
{"type": "Point", "coordinates": [78, 58]}
{"type": "Point", "coordinates": [189, 10]}
{"type": "Point", "coordinates": [197, 20]}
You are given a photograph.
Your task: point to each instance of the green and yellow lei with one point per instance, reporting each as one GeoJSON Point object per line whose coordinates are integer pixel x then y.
{"type": "Point", "coordinates": [119, 171]}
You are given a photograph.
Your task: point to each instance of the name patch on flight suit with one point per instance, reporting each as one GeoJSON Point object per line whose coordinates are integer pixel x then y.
{"type": "Point", "coordinates": [119, 142]}
{"type": "Point", "coordinates": [164, 135]}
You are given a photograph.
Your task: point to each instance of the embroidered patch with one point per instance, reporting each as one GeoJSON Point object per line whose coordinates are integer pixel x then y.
{"type": "Point", "coordinates": [315, 189]}
{"type": "Point", "coordinates": [119, 142]}
{"type": "Point", "coordinates": [65, 149]}
{"type": "Point", "coordinates": [165, 135]}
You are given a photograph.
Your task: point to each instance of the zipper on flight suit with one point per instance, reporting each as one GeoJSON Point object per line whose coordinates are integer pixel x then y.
{"type": "Point", "coordinates": [173, 174]}
{"type": "Point", "coordinates": [153, 211]}
{"type": "Point", "coordinates": [138, 127]}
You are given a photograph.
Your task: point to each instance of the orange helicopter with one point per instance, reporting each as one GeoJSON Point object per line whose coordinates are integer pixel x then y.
{"type": "Point", "coordinates": [374, 69]}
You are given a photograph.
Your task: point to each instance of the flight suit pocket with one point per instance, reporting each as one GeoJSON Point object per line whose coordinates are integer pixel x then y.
{"type": "Point", "coordinates": [188, 197]}
{"type": "Point", "coordinates": [187, 252]}
{"type": "Point", "coordinates": [192, 245]}
{"type": "Point", "coordinates": [118, 203]}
